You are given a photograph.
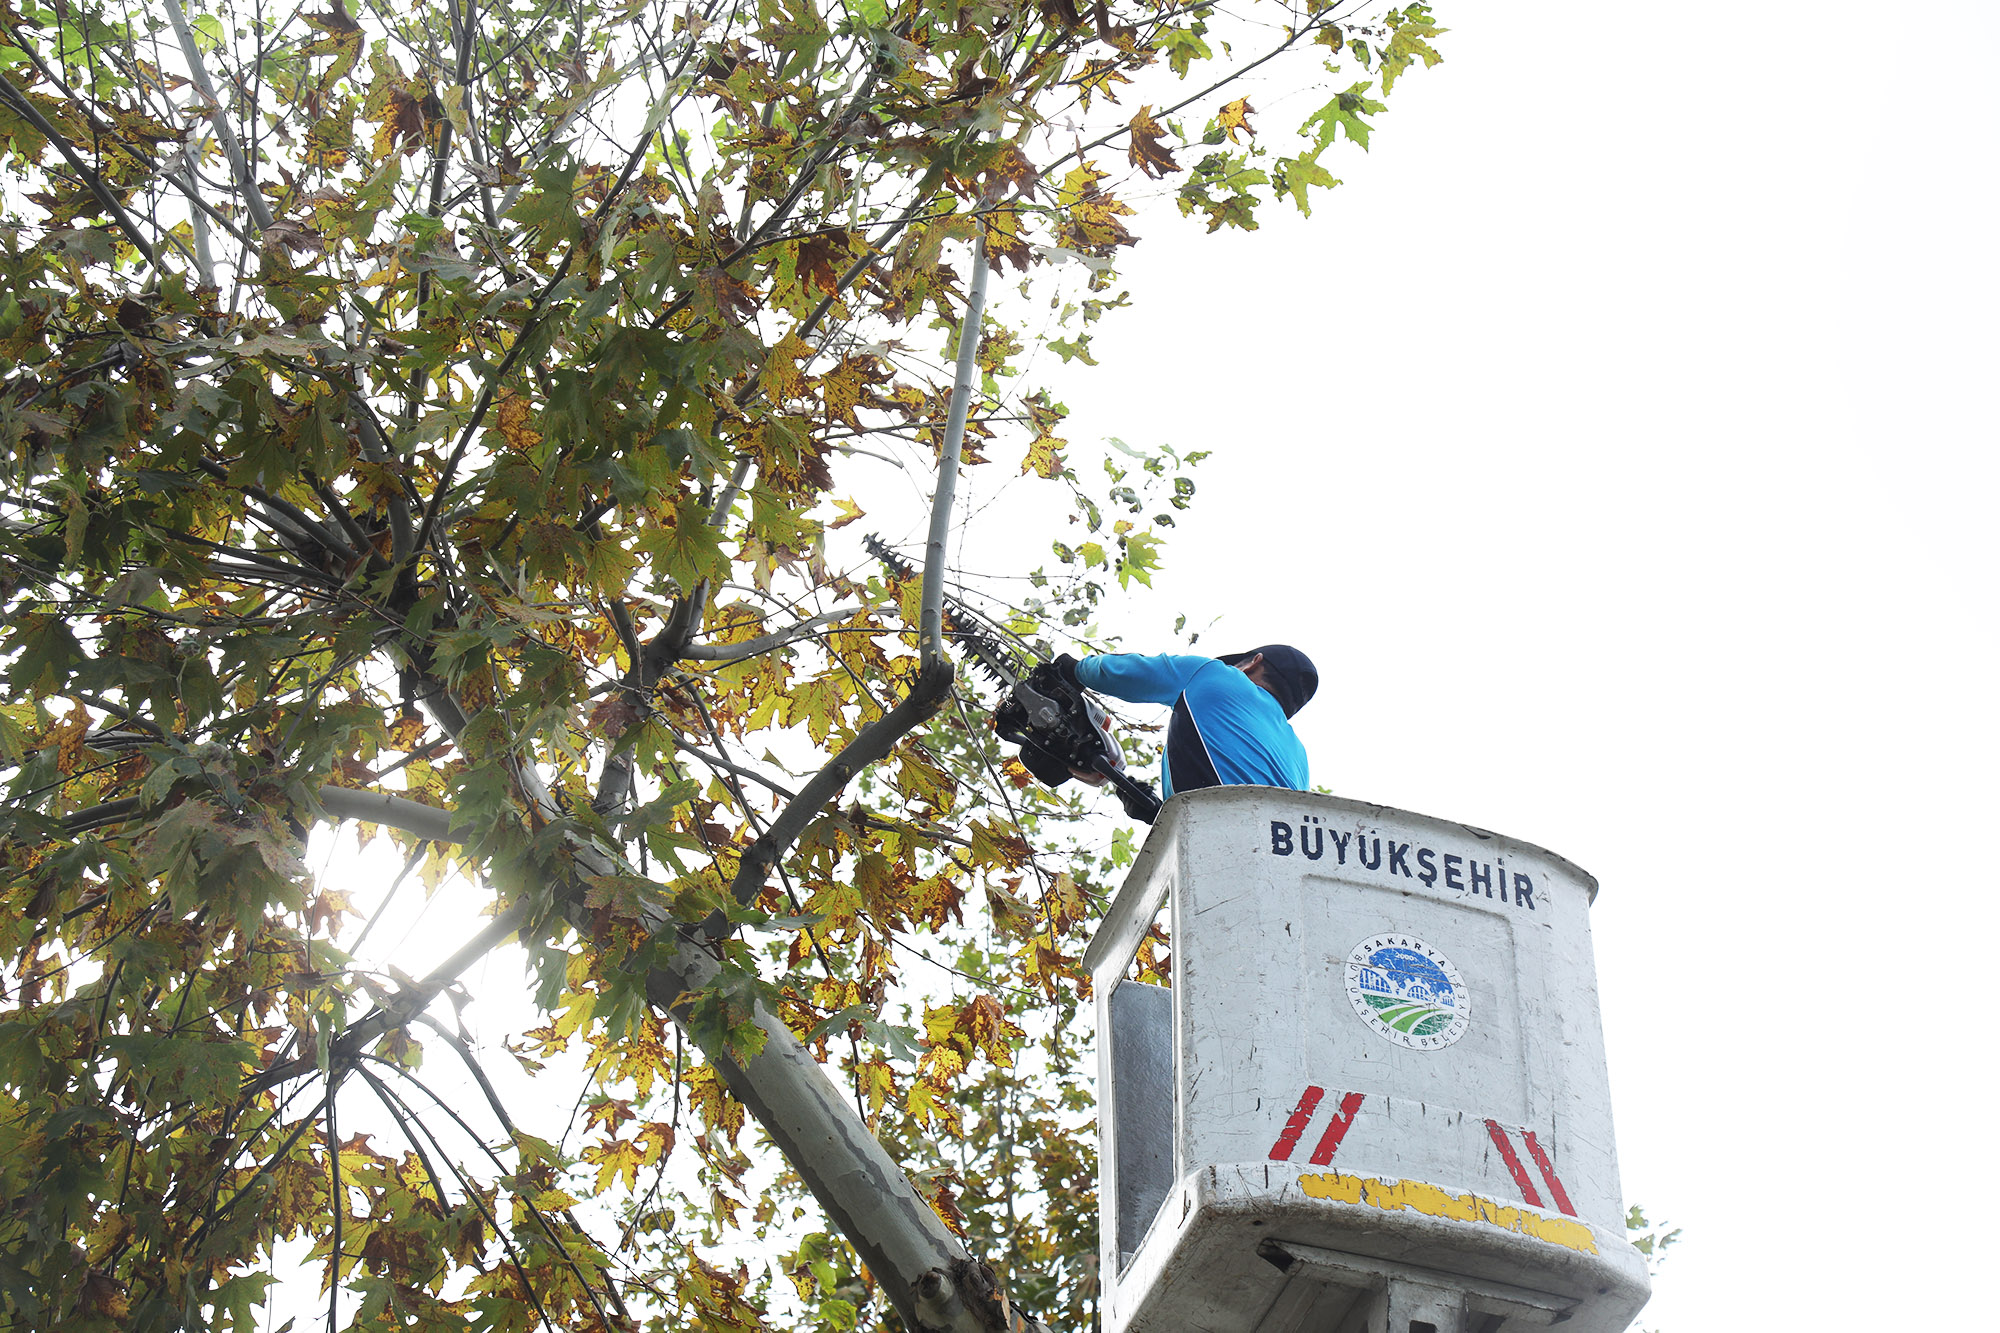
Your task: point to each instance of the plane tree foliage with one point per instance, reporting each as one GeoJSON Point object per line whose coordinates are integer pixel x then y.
{"type": "Point", "coordinates": [454, 406]}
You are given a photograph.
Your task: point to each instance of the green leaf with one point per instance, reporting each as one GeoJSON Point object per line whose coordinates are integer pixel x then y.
{"type": "Point", "coordinates": [1295, 176]}
{"type": "Point", "coordinates": [704, 351]}
{"type": "Point", "coordinates": [549, 209]}
{"type": "Point", "coordinates": [687, 550]}
{"type": "Point", "coordinates": [1140, 558]}
{"type": "Point", "coordinates": [1344, 112]}
{"type": "Point", "coordinates": [209, 33]}
{"type": "Point", "coordinates": [1078, 350]}
{"type": "Point", "coordinates": [1410, 32]}
{"type": "Point", "coordinates": [46, 652]}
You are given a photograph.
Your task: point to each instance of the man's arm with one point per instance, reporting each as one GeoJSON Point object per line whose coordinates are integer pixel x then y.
{"type": "Point", "coordinates": [1137, 677]}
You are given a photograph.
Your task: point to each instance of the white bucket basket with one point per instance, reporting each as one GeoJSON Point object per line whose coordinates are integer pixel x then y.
{"type": "Point", "coordinates": [1373, 1097]}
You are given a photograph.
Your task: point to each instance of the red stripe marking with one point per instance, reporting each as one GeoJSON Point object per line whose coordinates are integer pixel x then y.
{"type": "Point", "coordinates": [1335, 1132]}
{"type": "Point", "coordinates": [1548, 1171]}
{"type": "Point", "coordinates": [1514, 1167]}
{"type": "Point", "coordinates": [1302, 1115]}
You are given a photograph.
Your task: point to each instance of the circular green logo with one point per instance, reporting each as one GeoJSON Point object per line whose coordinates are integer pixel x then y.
{"type": "Point", "coordinates": [1407, 992]}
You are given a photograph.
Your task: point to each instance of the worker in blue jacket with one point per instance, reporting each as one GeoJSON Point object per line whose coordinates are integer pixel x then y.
{"type": "Point", "coordinates": [1230, 724]}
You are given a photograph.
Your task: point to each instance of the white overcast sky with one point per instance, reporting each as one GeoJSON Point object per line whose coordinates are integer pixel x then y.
{"type": "Point", "coordinates": [1619, 440]}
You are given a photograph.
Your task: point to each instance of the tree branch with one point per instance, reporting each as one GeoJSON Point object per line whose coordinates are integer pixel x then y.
{"type": "Point", "coordinates": [182, 180]}
{"type": "Point", "coordinates": [500, 1112]}
{"type": "Point", "coordinates": [736, 652]}
{"type": "Point", "coordinates": [1293, 40]}
{"type": "Point", "coordinates": [29, 112]}
{"type": "Point", "coordinates": [483, 403]}
{"type": "Point", "coordinates": [930, 625]}
{"type": "Point", "coordinates": [925, 1270]}
{"type": "Point", "coordinates": [403, 1007]}
{"type": "Point", "coordinates": [381, 807]}
{"type": "Point", "coordinates": [376, 449]}
{"type": "Point", "coordinates": [253, 194]}
{"type": "Point", "coordinates": [410, 1118]}
{"type": "Point", "coordinates": [873, 742]}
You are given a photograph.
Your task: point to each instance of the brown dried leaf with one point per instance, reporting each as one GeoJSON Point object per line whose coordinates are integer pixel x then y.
{"type": "Point", "coordinates": [724, 298]}
{"type": "Point", "coordinates": [1147, 152]}
{"type": "Point", "coordinates": [282, 235]}
{"type": "Point", "coordinates": [816, 267]}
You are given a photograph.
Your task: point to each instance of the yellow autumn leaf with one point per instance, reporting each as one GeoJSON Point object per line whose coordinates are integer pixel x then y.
{"type": "Point", "coordinates": [1234, 117]}
{"type": "Point", "coordinates": [817, 704]}
{"type": "Point", "coordinates": [513, 417]}
{"type": "Point", "coordinates": [782, 379]}
{"type": "Point", "coordinates": [577, 1015]}
{"type": "Point", "coordinates": [1042, 458]}
{"type": "Point", "coordinates": [406, 733]}
{"type": "Point", "coordinates": [619, 1158]}
{"type": "Point", "coordinates": [68, 736]}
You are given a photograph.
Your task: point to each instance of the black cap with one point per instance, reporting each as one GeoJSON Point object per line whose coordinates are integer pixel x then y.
{"type": "Point", "coordinates": [1293, 679]}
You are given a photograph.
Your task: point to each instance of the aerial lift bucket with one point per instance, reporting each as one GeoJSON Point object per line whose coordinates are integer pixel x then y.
{"type": "Point", "coordinates": [1372, 1096]}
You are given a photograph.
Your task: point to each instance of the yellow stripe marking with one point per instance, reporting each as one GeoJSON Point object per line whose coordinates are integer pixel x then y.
{"type": "Point", "coordinates": [1394, 1196]}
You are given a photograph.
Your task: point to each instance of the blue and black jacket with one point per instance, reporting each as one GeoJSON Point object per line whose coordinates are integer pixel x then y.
{"type": "Point", "coordinates": [1226, 729]}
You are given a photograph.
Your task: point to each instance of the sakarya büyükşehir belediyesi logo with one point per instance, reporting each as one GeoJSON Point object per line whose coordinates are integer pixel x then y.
{"type": "Point", "coordinates": [1408, 992]}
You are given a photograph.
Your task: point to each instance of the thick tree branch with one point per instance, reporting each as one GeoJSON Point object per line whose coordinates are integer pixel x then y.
{"type": "Point", "coordinates": [301, 523]}
{"type": "Point", "coordinates": [737, 652]}
{"type": "Point", "coordinates": [401, 1010]}
{"type": "Point", "coordinates": [926, 1272]}
{"type": "Point", "coordinates": [91, 180]}
{"type": "Point", "coordinates": [359, 543]}
{"type": "Point", "coordinates": [873, 742]}
{"type": "Point", "coordinates": [381, 807]}
{"type": "Point", "coordinates": [218, 115]}
{"type": "Point", "coordinates": [930, 626]}
{"type": "Point", "coordinates": [376, 449]}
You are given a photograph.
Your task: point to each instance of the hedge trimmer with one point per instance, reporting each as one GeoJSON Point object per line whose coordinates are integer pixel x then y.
{"type": "Point", "coordinates": [1061, 730]}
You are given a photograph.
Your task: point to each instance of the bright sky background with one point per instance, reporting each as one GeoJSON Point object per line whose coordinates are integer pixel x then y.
{"type": "Point", "coordinates": [1619, 440]}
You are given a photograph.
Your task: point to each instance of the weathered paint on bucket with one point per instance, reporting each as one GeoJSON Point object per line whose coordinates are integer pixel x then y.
{"type": "Point", "coordinates": [1379, 1077]}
